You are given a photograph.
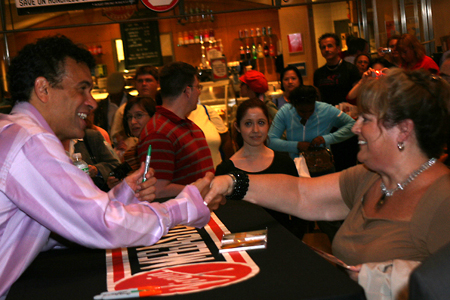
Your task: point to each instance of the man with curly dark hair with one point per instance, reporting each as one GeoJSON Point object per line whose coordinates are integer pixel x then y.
{"type": "Point", "coordinates": [41, 191]}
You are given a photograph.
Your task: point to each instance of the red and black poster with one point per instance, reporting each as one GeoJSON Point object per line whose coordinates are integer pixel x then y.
{"type": "Point", "coordinates": [181, 262]}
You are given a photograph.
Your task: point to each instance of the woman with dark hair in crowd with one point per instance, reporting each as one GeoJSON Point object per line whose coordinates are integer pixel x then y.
{"type": "Point", "coordinates": [380, 63]}
{"type": "Point", "coordinates": [290, 78]}
{"type": "Point", "coordinates": [138, 111]}
{"type": "Point", "coordinates": [254, 157]}
{"type": "Point", "coordinates": [397, 202]}
{"type": "Point", "coordinates": [412, 55]}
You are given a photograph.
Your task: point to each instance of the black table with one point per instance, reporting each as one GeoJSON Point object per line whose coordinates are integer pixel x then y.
{"type": "Point", "coordinates": [288, 268]}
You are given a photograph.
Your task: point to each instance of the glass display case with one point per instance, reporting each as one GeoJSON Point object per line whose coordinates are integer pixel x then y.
{"type": "Point", "coordinates": [219, 95]}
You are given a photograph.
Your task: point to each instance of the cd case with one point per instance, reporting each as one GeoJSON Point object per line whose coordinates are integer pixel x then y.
{"type": "Point", "coordinates": [330, 257]}
{"type": "Point", "coordinates": [244, 241]}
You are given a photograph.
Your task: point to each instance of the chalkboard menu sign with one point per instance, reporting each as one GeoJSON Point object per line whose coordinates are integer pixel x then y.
{"type": "Point", "coordinates": [141, 44]}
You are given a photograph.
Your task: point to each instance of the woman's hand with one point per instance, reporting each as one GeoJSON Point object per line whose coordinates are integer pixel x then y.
{"type": "Point", "coordinates": [318, 141]}
{"type": "Point", "coordinates": [353, 272]}
{"type": "Point", "coordinates": [204, 185]}
{"type": "Point", "coordinates": [145, 191]}
{"type": "Point", "coordinates": [372, 73]}
{"type": "Point", "coordinates": [220, 186]}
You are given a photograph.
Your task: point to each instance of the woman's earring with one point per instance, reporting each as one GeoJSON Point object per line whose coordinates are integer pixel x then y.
{"type": "Point", "coordinates": [401, 146]}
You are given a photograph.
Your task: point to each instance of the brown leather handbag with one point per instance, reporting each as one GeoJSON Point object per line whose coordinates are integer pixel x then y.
{"type": "Point", "coordinates": [318, 159]}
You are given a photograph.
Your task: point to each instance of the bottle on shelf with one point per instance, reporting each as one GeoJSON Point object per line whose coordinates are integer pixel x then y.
{"type": "Point", "coordinates": [186, 38]}
{"type": "Point", "coordinates": [220, 45]}
{"type": "Point", "coordinates": [272, 49]}
{"type": "Point", "coordinates": [242, 52]}
{"type": "Point", "coordinates": [211, 34]}
{"type": "Point", "coordinates": [198, 17]}
{"type": "Point", "coordinates": [260, 51]}
{"type": "Point", "coordinates": [196, 37]}
{"type": "Point", "coordinates": [191, 37]}
{"type": "Point", "coordinates": [248, 52]}
{"type": "Point", "coordinates": [201, 36]}
{"type": "Point", "coordinates": [203, 12]}
{"type": "Point", "coordinates": [254, 54]}
{"type": "Point", "coordinates": [266, 49]}
{"type": "Point", "coordinates": [191, 17]}
{"type": "Point", "coordinates": [258, 32]}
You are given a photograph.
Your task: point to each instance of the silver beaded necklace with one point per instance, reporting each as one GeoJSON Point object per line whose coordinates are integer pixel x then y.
{"type": "Point", "coordinates": [402, 185]}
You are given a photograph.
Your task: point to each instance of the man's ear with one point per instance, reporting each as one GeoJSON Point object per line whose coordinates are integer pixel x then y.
{"type": "Point", "coordinates": [188, 91]}
{"type": "Point", "coordinates": [41, 89]}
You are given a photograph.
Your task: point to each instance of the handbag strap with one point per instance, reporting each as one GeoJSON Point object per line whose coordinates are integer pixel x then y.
{"type": "Point", "coordinates": [206, 110]}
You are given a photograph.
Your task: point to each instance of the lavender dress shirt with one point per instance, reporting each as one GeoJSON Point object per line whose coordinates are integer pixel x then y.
{"type": "Point", "coordinates": [42, 191]}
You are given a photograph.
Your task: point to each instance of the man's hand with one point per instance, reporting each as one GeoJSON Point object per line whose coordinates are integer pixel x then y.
{"type": "Point", "coordinates": [220, 186]}
{"type": "Point", "coordinates": [204, 186]}
{"type": "Point", "coordinates": [145, 191]}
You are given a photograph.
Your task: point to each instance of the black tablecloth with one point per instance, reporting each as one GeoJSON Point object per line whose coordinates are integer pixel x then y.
{"type": "Point", "coordinates": [288, 268]}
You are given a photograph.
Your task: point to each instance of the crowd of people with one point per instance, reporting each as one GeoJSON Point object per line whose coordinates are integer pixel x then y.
{"type": "Point", "coordinates": [392, 205]}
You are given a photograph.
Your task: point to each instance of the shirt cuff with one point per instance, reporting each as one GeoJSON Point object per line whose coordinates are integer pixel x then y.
{"type": "Point", "coordinates": [188, 208]}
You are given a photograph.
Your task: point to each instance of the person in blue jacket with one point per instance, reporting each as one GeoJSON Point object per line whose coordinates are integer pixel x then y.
{"type": "Point", "coordinates": [308, 122]}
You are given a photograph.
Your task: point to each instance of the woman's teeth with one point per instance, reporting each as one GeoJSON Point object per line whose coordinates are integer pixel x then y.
{"type": "Point", "coordinates": [82, 116]}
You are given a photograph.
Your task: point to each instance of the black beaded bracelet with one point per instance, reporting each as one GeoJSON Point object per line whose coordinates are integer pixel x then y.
{"type": "Point", "coordinates": [240, 185]}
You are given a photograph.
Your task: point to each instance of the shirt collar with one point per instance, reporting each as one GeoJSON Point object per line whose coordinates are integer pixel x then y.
{"type": "Point", "coordinates": [28, 109]}
{"type": "Point", "coordinates": [171, 115]}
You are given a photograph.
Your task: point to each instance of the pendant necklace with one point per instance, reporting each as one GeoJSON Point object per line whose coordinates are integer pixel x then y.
{"type": "Point", "coordinates": [400, 186]}
{"type": "Point", "coordinates": [335, 67]}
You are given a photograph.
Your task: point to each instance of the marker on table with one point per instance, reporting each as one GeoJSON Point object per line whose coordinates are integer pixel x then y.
{"type": "Point", "coordinates": [130, 293]}
{"type": "Point", "coordinates": [147, 161]}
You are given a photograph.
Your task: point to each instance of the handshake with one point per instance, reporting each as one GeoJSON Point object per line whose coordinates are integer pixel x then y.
{"type": "Point", "coordinates": [213, 195]}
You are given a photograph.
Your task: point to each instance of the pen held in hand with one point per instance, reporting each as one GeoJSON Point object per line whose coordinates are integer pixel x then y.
{"type": "Point", "coordinates": [130, 293]}
{"type": "Point", "coordinates": [147, 162]}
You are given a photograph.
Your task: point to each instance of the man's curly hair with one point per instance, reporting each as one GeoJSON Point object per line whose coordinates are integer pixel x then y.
{"type": "Point", "coordinates": [44, 58]}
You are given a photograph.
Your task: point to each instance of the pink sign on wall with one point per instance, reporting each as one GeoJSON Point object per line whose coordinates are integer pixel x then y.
{"type": "Point", "coordinates": [295, 42]}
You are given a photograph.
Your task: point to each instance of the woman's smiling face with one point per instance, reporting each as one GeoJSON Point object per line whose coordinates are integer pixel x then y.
{"type": "Point", "coordinates": [254, 127]}
{"type": "Point", "coordinates": [375, 141]}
